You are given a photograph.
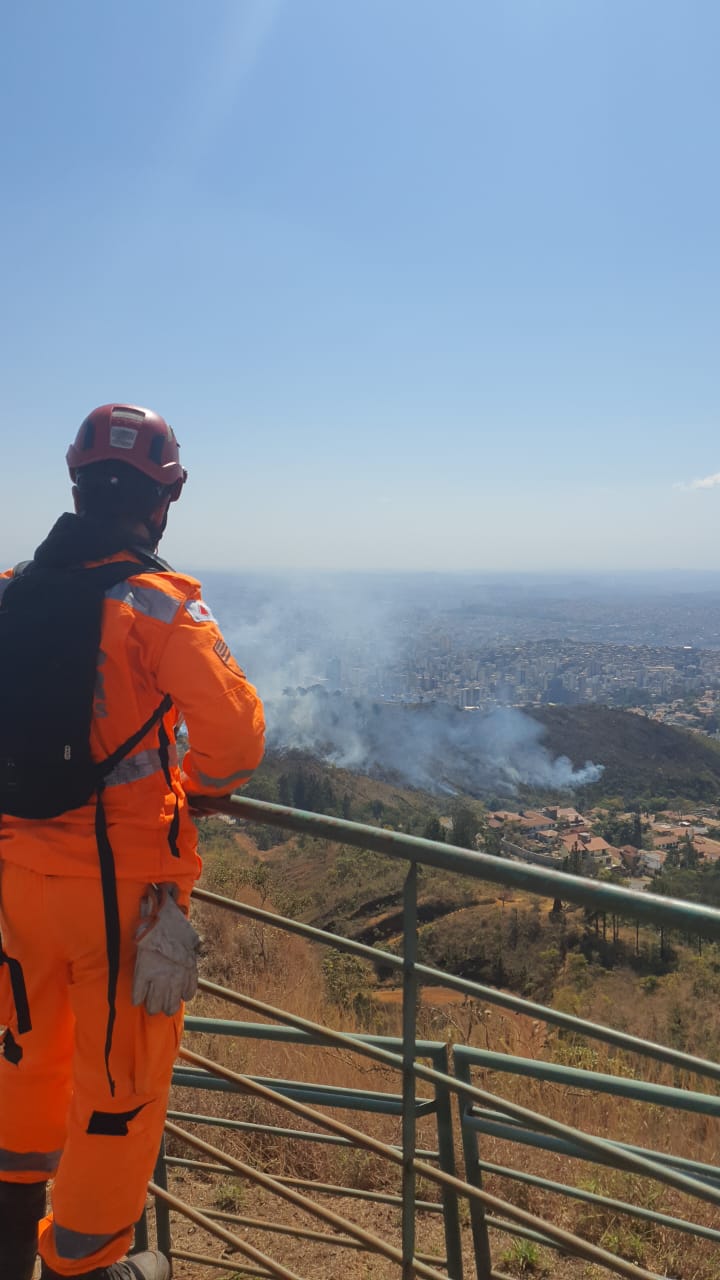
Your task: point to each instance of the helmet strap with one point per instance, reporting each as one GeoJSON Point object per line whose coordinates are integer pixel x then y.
{"type": "Point", "coordinates": [156, 522]}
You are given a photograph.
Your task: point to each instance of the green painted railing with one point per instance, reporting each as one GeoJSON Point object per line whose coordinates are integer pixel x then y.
{"type": "Point", "coordinates": [416, 1061]}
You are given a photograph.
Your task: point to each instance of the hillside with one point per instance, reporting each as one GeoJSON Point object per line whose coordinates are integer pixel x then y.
{"type": "Point", "coordinates": [659, 987]}
{"type": "Point", "coordinates": [641, 758]}
{"type": "Point", "coordinates": [468, 927]}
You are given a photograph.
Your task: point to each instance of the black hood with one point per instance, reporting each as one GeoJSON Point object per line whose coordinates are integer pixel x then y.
{"type": "Point", "coordinates": [75, 539]}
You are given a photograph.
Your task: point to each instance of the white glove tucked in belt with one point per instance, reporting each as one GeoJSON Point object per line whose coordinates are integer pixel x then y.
{"type": "Point", "coordinates": [167, 952]}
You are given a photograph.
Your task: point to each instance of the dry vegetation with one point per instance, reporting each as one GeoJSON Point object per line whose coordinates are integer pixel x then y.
{"type": "Point", "coordinates": [679, 1007]}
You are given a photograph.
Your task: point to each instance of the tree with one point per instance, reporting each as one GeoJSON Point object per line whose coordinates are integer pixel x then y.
{"type": "Point", "coordinates": [348, 982]}
{"type": "Point", "coordinates": [464, 828]}
{"type": "Point", "coordinates": [492, 841]}
{"type": "Point", "coordinates": [433, 830]}
{"type": "Point", "coordinates": [573, 864]}
{"type": "Point", "coordinates": [299, 794]}
{"type": "Point", "coordinates": [672, 858]}
{"type": "Point", "coordinates": [688, 853]}
{"type": "Point", "coordinates": [328, 800]}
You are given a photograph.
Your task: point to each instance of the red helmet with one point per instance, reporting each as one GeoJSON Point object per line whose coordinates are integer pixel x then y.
{"type": "Point", "coordinates": [127, 433]}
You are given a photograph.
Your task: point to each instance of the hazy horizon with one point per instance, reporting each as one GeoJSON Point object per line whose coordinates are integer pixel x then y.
{"type": "Point", "coordinates": [337, 655]}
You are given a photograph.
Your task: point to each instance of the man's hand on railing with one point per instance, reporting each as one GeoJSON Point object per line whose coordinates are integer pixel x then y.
{"type": "Point", "coordinates": [204, 806]}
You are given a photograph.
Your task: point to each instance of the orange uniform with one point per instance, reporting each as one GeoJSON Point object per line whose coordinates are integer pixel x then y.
{"type": "Point", "coordinates": [58, 1114]}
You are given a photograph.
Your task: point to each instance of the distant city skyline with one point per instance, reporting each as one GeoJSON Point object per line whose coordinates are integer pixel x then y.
{"type": "Point", "coordinates": [340, 662]}
{"type": "Point", "coordinates": [419, 287]}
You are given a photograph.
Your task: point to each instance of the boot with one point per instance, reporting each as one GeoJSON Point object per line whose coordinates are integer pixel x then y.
{"type": "Point", "coordinates": [142, 1266]}
{"type": "Point", "coordinates": [22, 1205]}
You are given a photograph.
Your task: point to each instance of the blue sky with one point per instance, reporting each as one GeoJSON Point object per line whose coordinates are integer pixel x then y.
{"type": "Point", "coordinates": [419, 285]}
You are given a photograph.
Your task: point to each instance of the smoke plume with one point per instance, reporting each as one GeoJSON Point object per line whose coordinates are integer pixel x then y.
{"type": "Point", "coordinates": [432, 746]}
{"type": "Point", "coordinates": [318, 652]}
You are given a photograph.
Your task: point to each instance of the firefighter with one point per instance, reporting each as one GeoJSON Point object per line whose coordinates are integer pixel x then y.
{"type": "Point", "coordinates": [93, 1021]}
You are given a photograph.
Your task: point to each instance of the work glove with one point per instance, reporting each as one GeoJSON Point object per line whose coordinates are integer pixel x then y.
{"type": "Point", "coordinates": [167, 953]}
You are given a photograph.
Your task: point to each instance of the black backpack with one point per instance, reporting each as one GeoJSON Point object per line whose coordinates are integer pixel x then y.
{"type": "Point", "coordinates": [50, 622]}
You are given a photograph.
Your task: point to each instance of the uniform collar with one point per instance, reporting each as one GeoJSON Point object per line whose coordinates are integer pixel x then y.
{"type": "Point", "coordinates": [73, 540]}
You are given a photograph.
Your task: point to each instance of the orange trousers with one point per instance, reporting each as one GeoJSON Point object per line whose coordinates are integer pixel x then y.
{"type": "Point", "coordinates": [58, 1116]}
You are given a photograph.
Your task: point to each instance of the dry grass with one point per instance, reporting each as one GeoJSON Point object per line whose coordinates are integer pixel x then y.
{"type": "Point", "coordinates": [288, 973]}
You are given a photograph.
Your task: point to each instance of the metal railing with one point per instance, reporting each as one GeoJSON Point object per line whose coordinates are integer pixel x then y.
{"type": "Point", "coordinates": [480, 1111]}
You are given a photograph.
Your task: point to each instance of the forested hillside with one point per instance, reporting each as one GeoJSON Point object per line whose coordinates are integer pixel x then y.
{"type": "Point", "coordinates": [641, 758]}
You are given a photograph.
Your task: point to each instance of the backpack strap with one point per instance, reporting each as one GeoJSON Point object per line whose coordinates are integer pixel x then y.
{"type": "Point", "coordinates": [107, 765]}
{"type": "Point", "coordinates": [151, 562]}
{"type": "Point", "coordinates": [165, 763]}
{"type": "Point", "coordinates": [111, 911]}
{"type": "Point", "coordinates": [110, 575]}
{"type": "Point", "coordinates": [108, 878]}
{"type": "Point", "coordinates": [19, 991]}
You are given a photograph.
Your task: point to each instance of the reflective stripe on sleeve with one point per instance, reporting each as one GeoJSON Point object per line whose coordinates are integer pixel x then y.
{"type": "Point", "coordinates": [150, 601]}
{"type": "Point", "coordinates": [80, 1244]}
{"type": "Point", "coordinates": [29, 1161]}
{"type": "Point", "coordinates": [141, 765]}
{"type": "Point", "coordinates": [206, 780]}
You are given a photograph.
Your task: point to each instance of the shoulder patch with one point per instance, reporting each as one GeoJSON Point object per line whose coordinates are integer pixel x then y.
{"type": "Point", "coordinates": [200, 611]}
{"type": "Point", "coordinates": [223, 651]}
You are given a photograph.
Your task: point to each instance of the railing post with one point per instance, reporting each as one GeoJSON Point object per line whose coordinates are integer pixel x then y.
{"type": "Point", "coordinates": [140, 1241]}
{"type": "Point", "coordinates": [481, 1240]}
{"type": "Point", "coordinates": [409, 1020]}
{"type": "Point", "coordinates": [162, 1211]}
{"type": "Point", "coordinates": [446, 1151]}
